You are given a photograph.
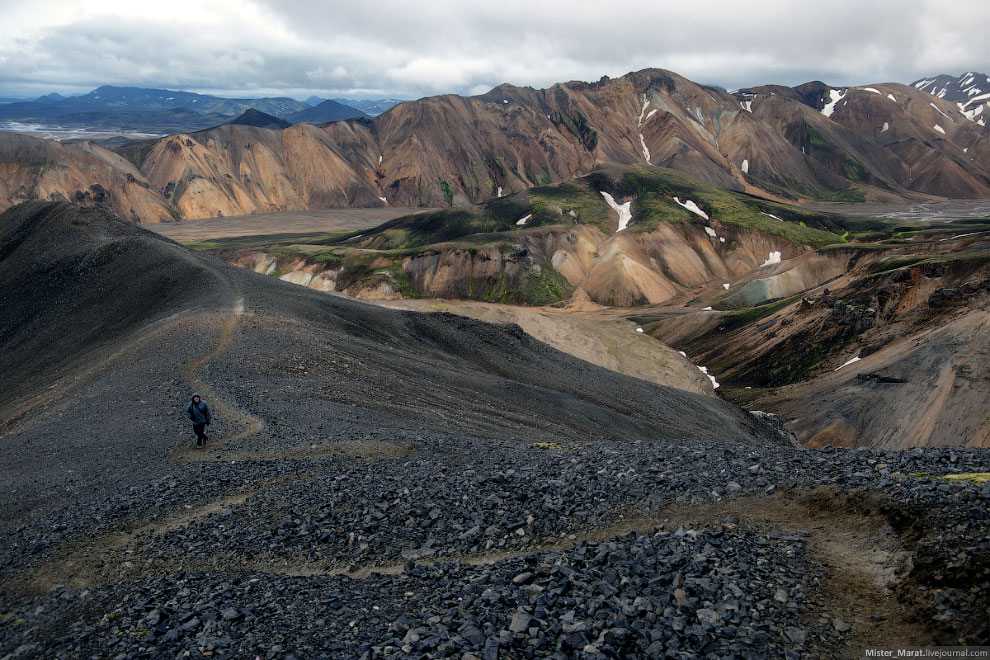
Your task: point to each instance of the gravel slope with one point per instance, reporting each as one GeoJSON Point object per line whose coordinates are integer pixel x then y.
{"type": "Point", "coordinates": [514, 501]}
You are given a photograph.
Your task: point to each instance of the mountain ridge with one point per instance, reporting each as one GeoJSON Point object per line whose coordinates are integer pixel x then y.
{"type": "Point", "coordinates": [813, 141]}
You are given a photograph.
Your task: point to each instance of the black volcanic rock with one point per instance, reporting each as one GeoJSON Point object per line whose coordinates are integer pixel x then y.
{"type": "Point", "coordinates": [324, 112]}
{"type": "Point", "coordinates": [252, 117]}
{"type": "Point", "coordinates": [629, 540]}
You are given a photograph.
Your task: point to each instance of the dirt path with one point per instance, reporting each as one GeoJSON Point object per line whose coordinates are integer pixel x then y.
{"type": "Point", "coordinates": [231, 414]}
{"type": "Point", "coordinates": [113, 555]}
{"type": "Point", "coordinates": [848, 533]}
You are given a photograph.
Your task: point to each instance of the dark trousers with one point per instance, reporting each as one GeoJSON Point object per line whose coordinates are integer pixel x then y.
{"type": "Point", "coordinates": [199, 430]}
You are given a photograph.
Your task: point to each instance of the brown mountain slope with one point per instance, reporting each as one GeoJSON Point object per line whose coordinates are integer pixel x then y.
{"type": "Point", "coordinates": [452, 150]}
{"type": "Point", "coordinates": [926, 144]}
{"type": "Point", "coordinates": [891, 353]}
{"type": "Point", "coordinates": [540, 245]}
{"type": "Point", "coordinates": [31, 168]}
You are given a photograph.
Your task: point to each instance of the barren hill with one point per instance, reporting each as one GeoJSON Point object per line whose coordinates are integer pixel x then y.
{"type": "Point", "coordinates": [124, 309]}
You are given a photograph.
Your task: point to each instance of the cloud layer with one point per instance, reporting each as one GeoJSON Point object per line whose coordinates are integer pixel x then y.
{"type": "Point", "coordinates": [407, 50]}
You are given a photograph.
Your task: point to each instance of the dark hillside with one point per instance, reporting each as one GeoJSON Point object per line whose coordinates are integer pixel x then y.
{"type": "Point", "coordinates": [93, 303]}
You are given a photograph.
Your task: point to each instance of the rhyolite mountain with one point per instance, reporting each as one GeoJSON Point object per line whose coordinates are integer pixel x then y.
{"type": "Point", "coordinates": [774, 300]}
{"type": "Point", "coordinates": [970, 91]}
{"type": "Point", "coordinates": [880, 142]}
{"type": "Point", "coordinates": [955, 88]}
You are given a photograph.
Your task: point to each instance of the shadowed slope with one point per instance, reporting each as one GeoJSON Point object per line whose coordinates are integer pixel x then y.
{"type": "Point", "coordinates": [100, 317]}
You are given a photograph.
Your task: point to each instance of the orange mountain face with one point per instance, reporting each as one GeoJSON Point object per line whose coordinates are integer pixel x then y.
{"type": "Point", "coordinates": [810, 142]}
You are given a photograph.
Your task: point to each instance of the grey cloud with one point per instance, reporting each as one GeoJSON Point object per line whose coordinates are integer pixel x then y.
{"type": "Point", "coordinates": [414, 49]}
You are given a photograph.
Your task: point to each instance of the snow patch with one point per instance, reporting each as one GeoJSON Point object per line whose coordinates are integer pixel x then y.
{"type": "Point", "coordinates": [886, 127]}
{"type": "Point", "coordinates": [872, 89]}
{"type": "Point", "coordinates": [835, 96]}
{"type": "Point", "coordinates": [707, 309]}
{"type": "Point", "coordinates": [772, 258]}
{"type": "Point", "coordinates": [524, 219]}
{"type": "Point", "coordinates": [970, 114]}
{"type": "Point", "coordinates": [722, 238]}
{"type": "Point", "coordinates": [380, 159]}
{"type": "Point", "coordinates": [383, 199]}
{"type": "Point", "coordinates": [711, 232]}
{"type": "Point", "coordinates": [848, 362]}
{"type": "Point", "coordinates": [650, 114]}
{"type": "Point", "coordinates": [499, 194]}
{"type": "Point", "coordinates": [646, 151]}
{"type": "Point", "coordinates": [939, 111]}
{"type": "Point", "coordinates": [646, 104]}
{"type": "Point", "coordinates": [726, 286]}
{"type": "Point", "coordinates": [745, 166]}
{"type": "Point", "coordinates": [939, 129]}
{"type": "Point", "coordinates": [704, 370]}
{"type": "Point", "coordinates": [770, 215]}
{"type": "Point", "coordinates": [747, 106]}
{"type": "Point", "coordinates": [625, 214]}
{"type": "Point", "coordinates": [683, 354]}
{"type": "Point", "coordinates": [692, 207]}
{"type": "Point", "coordinates": [505, 100]}
{"type": "Point", "coordinates": [891, 97]}
{"type": "Point", "coordinates": [639, 330]}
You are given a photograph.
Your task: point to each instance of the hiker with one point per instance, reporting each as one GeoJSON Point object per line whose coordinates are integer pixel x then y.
{"type": "Point", "coordinates": [199, 412]}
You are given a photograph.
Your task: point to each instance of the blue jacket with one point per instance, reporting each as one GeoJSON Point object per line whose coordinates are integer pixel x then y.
{"type": "Point", "coordinates": [199, 413]}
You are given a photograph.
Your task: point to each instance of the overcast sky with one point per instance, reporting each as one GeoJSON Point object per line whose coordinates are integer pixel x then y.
{"type": "Point", "coordinates": [409, 49]}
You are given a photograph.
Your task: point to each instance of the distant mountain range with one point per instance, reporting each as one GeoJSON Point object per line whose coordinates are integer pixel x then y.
{"type": "Point", "coordinates": [161, 111]}
{"type": "Point", "coordinates": [880, 142]}
{"type": "Point", "coordinates": [371, 107]}
{"type": "Point", "coordinates": [325, 111]}
{"type": "Point", "coordinates": [970, 91]}
{"type": "Point", "coordinates": [252, 117]}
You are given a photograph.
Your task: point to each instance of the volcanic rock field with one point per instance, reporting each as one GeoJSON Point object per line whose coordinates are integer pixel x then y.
{"type": "Point", "coordinates": [392, 484]}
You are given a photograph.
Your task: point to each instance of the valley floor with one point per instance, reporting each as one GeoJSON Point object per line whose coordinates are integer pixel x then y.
{"type": "Point", "coordinates": [285, 223]}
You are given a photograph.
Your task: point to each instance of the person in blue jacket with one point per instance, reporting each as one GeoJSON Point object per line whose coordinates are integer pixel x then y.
{"type": "Point", "coordinates": [199, 412]}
